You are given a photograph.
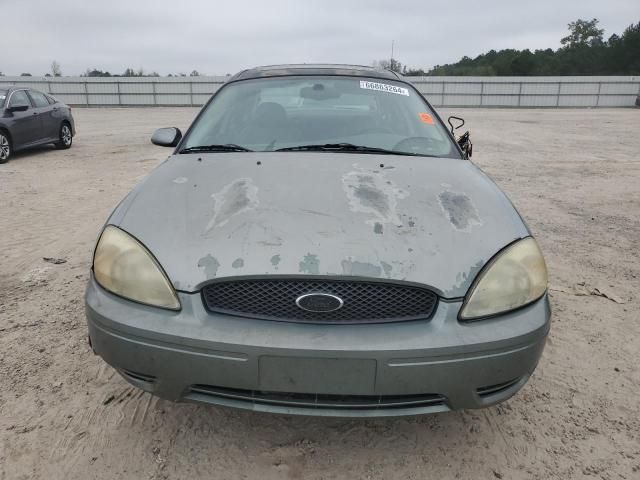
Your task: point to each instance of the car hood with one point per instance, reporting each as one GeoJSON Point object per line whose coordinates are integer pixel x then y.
{"type": "Point", "coordinates": [434, 221]}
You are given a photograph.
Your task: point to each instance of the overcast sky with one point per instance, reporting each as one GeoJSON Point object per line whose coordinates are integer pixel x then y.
{"type": "Point", "coordinates": [215, 37]}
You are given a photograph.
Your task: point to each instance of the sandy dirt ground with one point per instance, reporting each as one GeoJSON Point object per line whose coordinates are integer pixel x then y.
{"type": "Point", "coordinates": [574, 176]}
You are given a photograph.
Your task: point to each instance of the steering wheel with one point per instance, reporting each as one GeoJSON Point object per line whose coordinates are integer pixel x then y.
{"type": "Point", "coordinates": [415, 144]}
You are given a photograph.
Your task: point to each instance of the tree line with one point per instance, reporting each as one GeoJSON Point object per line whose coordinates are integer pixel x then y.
{"type": "Point", "coordinates": [584, 51]}
{"type": "Point", "coordinates": [130, 72]}
{"type": "Point", "coordinates": [94, 72]}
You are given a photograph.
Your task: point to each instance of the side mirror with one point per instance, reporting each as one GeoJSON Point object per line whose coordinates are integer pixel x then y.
{"type": "Point", "coordinates": [464, 140]}
{"type": "Point", "coordinates": [18, 108]}
{"type": "Point", "coordinates": [166, 137]}
{"type": "Point", "coordinates": [459, 120]}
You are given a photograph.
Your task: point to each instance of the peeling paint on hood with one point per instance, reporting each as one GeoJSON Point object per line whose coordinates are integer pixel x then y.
{"type": "Point", "coordinates": [209, 265]}
{"type": "Point", "coordinates": [428, 220]}
{"type": "Point", "coordinates": [360, 269]}
{"type": "Point", "coordinates": [460, 210]}
{"type": "Point", "coordinates": [375, 196]}
{"type": "Point", "coordinates": [309, 264]}
{"type": "Point", "coordinates": [465, 279]}
{"type": "Point", "coordinates": [275, 261]}
{"type": "Point", "coordinates": [237, 197]}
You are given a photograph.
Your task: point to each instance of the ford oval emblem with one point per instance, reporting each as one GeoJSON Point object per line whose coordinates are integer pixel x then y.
{"type": "Point", "coordinates": [319, 302]}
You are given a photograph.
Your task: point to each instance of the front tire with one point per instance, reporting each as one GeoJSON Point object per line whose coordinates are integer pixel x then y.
{"type": "Point", "coordinates": [65, 137]}
{"type": "Point", "coordinates": [5, 147]}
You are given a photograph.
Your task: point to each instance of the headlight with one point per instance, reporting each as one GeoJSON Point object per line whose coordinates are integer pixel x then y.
{"type": "Point", "coordinates": [125, 267]}
{"type": "Point", "coordinates": [515, 277]}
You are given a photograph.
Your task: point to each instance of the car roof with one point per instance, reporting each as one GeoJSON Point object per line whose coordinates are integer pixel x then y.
{"type": "Point", "coordinates": [16, 87]}
{"type": "Point", "coordinates": [11, 88]}
{"type": "Point", "coordinates": [315, 69]}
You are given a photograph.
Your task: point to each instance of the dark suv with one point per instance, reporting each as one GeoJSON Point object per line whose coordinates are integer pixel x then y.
{"type": "Point", "coordinates": [29, 118]}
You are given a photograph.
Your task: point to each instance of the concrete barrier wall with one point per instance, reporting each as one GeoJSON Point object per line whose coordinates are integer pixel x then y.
{"type": "Point", "coordinates": [440, 91]}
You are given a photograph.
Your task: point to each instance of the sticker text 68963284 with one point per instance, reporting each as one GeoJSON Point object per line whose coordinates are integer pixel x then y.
{"type": "Point", "coordinates": [384, 87]}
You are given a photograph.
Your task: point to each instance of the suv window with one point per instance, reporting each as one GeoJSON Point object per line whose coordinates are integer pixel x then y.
{"type": "Point", "coordinates": [19, 97]}
{"type": "Point", "coordinates": [38, 99]}
{"type": "Point", "coordinates": [51, 100]}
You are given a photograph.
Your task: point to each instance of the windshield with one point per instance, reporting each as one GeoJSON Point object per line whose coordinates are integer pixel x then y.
{"type": "Point", "coordinates": [3, 96]}
{"type": "Point", "coordinates": [280, 113]}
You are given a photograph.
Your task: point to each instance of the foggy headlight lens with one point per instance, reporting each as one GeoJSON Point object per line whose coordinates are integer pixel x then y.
{"type": "Point", "coordinates": [125, 267]}
{"type": "Point", "coordinates": [515, 277]}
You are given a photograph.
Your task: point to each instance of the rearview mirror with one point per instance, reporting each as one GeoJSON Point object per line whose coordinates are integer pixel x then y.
{"type": "Point", "coordinates": [319, 92]}
{"type": "Point", "coordinates": [18, 108]}
{"type": "Point", "coordinates": [166, 137]}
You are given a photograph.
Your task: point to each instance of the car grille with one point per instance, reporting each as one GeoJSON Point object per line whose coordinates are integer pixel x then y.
{"type": "Point", "coordinates": [364, 301]}
{"type": "Point", "coordinates": [312, 400]}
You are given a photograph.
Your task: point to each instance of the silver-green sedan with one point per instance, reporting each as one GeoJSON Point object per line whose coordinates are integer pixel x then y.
{"type": "Point", "coordinates": [319, 243]}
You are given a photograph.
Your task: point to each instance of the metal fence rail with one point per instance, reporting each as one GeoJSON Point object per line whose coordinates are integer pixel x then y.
{"type": "Point", "coordinates": [441, 91]}
{"type": "Point", "coordinates": [530, 91]}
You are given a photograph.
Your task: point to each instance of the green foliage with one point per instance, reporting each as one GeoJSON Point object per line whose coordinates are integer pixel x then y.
{"type": "Point", "coordinates": [94, 72]}
{"type": "Point", "coordinates": [393, 65]}
{"type": "Point", "coordinates": [583, 33]}
{"type": "Point", "coordinates": [584, 52]}
{"type": "Point", "coordinates": [130, 72]}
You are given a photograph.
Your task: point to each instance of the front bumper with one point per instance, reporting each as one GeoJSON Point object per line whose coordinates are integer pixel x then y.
{"type": "Point", "coordinates": [336, 370]}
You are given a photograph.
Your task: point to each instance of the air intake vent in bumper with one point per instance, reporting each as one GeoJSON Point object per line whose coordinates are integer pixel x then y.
{"type": "Point", "coordinates": [307, 400]}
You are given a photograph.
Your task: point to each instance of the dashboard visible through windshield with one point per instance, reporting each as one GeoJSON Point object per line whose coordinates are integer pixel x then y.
{"type": "Point", "coordinates": [321, 112]}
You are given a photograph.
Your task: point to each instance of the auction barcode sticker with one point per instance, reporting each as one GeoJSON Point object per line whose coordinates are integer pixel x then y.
{"type": "Point", "coordinates": [384, 87]}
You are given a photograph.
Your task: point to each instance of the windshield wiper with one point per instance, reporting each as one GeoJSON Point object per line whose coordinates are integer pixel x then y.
{"type": "Point", "coordinates": [346, 147]}
{"type": "Point", "coordinates": [227, 147]}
